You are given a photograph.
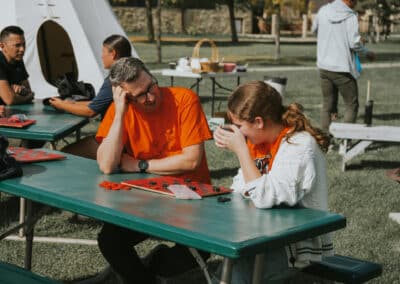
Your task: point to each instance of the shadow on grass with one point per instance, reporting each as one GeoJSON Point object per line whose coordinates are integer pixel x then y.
{"type": "Point", "coordinates": [373, 164]}
{"type": "Point", "coordinates": [388, 56]}
{"type": "Point", "coordinates": [9, 210]}
{"type": "Point", "coordinates": [222, 173]}
{"type": "Point", "coordinates": [385, 116]}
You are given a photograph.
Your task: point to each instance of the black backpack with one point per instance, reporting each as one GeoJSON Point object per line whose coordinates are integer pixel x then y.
{"type": "Point", "coordinates": [9, 167]}
{"type": "Point", "coordinates": [69, 87]}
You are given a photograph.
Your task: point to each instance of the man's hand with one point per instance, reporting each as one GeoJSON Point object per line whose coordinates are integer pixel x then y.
{"type": "Point", "coordinates": [119, 96]}
{"type": "Point", "coordinates": [56, 102]}
{"type": "Point", "coordinates": [129, 164]}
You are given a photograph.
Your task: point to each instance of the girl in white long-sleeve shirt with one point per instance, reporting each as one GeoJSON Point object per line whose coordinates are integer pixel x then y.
{"type": "Point", "coordinates": [281, 163]}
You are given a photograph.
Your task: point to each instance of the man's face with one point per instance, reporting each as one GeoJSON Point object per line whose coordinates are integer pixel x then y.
{"type": "Point", "coordinates": [143, 93]}
{"type": "Point", "coordinates": [13, 47]}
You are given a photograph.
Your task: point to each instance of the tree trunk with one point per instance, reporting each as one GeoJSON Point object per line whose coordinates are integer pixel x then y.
{"type": "Point", "coordinates": [231, 7]}
{"type": "Point", "coordinates": [150, 27]}
{"type": "Point", "coordinates": [183, 24]}
{"type": "Point", "coordinates": [158, 40]}
{"type": "Point", "coordinates": [278, 37]}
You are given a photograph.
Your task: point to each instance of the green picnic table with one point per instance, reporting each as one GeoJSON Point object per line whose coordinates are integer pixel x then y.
{"type": "Point", "coordinates": [51, 124]}
{"type": "Point", "coordinates": [230, 229]}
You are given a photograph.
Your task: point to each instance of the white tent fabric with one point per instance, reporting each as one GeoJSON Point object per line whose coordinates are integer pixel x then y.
{"type": "Point", "coordinates": [62, 36]}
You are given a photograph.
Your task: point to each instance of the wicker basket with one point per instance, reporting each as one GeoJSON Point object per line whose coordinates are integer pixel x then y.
{"type": "Point", "coordinates": [213, 64]}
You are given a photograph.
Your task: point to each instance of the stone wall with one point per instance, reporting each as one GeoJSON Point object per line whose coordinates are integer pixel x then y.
{"type": "Point", "coordinates": [195, 21]}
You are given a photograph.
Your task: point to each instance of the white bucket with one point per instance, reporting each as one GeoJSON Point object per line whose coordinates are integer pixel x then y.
{"type": "Point", "coordinates": [278, 83]}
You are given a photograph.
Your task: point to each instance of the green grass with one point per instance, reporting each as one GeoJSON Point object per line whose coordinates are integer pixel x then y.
{"type": "Point", "coordinates": [363, 194]}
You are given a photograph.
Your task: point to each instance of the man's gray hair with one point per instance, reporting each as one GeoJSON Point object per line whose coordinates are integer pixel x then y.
{"type": "Point", "coordinates": [127, 69]}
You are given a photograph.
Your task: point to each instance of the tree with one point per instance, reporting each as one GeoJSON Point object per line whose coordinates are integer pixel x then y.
{"type": "Point", "coordinates": [231, 8]}
{"type": "Point", "coordinates": [149, 17]}
{"type": "Point", "coordinates": [158, 40]}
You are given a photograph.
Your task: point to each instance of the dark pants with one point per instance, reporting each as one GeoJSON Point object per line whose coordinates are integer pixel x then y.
{"type": "Point", "coordinates": [32, 144]}
{"type": "Point", "coordinates": [117, 246]}
{"type": "Point", "coordinates": [333, 83]}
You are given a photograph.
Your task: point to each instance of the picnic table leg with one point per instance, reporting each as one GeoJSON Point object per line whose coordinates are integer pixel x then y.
{"type": "Point", "coordinates": [29, 235]}
{"type": "Point", "coordinates": [343, 151]}
{"type": "Point", "coordinates": [78, 135]}
{"type": "Point", "coordinates": [349, 152]}
{"type": "Point", "coordinates": [22, 205]}
{"type": "Point", "coordinates": [197, 85]}
{"type": "Point", "coordinates": [213, 95]}
{"type": "Point", "coordinates": [226, 271]}
{"type": "Point", "coordinates": [258, 268]}
{"type": "Point", "coordinates": [53, 145]}
{"type": "Point", "coordinates": [172, 81]}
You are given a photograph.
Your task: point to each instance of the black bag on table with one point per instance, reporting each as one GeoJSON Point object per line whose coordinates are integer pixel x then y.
{"type": "Point", "coordinates": [69, 88]}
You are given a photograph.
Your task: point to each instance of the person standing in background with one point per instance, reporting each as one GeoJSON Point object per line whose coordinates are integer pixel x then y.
{"type": "Point", "coordinates": [338, 42]}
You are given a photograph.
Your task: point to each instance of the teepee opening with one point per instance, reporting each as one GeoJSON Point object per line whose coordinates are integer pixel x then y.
{"type": "Point", "coordinates": [56, 53]}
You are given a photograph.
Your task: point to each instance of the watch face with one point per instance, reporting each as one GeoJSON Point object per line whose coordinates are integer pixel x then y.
{"type": "Point", "coordinates": [143, 165]}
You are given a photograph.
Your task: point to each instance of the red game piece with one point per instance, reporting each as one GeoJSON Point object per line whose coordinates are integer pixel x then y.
{"type": "Point", "coordinates": [113, 185]}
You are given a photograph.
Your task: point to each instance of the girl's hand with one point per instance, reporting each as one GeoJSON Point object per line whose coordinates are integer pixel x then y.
{"type": "Point", "coordinates": [230, 138]}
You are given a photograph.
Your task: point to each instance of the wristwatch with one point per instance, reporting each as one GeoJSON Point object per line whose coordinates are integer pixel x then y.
{"type": "Point", "coordinates": [143, 166]}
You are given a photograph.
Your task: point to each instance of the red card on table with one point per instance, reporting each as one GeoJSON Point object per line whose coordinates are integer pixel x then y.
{"type": "Point", "coordinates": [160, 185]}
{"type": "Point", "coordinates": [24, 155]}
{"type": "Point", "coordinates": [4, 121]}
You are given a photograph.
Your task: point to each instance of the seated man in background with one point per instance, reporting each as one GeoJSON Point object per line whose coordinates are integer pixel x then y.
{"type": "Point", "coordinates": [14, 84]}
{"type": "Point", "coordinates": [114, 47]}
{"type": "Point", "coordinates": [156, 130]}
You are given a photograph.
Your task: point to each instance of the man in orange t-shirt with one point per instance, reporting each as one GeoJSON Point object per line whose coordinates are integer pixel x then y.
{"type": "Point", "coordinates": [155, 130]}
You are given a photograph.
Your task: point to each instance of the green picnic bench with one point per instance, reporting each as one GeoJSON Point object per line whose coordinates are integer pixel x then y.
{"type": "Point", "coordinates": [12, 274]}
{"type": "Point", "coordinates": [344, 269]}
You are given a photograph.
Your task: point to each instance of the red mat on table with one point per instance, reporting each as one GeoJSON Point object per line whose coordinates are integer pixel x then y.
{"type": "Point", "coordinates": [160, 184]}
{"type": "Point", "coordinates": [24, 155]}
{"type": "Point", "coordinates": [4, 121]}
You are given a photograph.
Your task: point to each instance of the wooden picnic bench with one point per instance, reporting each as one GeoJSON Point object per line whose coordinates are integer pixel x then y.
{"type": "Point", "coordinates": [366, 135]}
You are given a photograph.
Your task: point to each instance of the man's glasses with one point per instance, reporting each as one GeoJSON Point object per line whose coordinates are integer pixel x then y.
{"type": "Point", "coordinates": [142, 97]}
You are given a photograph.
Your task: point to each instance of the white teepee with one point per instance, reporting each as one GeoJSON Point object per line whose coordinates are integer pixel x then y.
{"type": "Point", "coordinates": [62, 36]}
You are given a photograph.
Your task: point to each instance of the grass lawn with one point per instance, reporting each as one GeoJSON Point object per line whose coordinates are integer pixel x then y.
{"type": "Point", "coordinates": [363, 194]}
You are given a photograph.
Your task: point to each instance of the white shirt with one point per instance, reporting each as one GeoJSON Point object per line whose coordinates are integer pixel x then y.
{"type": "Point", "coordinates": [298, 176]}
